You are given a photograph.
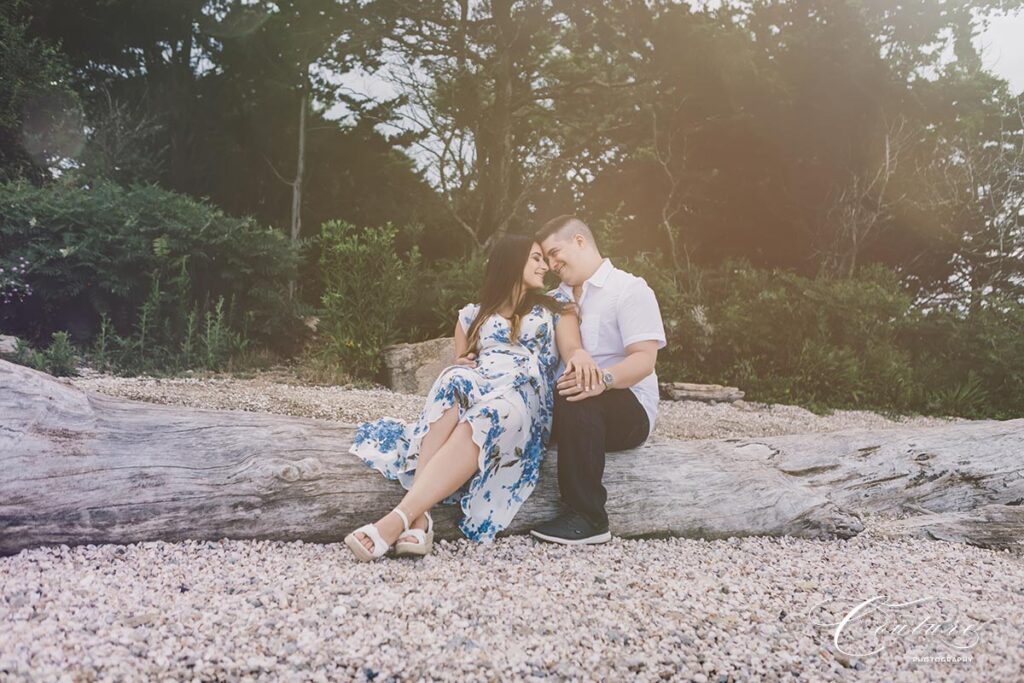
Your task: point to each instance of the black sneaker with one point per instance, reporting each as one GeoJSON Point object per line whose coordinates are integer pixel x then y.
{"type": "Point", "coordinates": [571, 528]}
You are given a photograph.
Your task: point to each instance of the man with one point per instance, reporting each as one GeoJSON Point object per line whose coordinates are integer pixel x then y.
{"type": "Point", "coordinates": [622, 329]}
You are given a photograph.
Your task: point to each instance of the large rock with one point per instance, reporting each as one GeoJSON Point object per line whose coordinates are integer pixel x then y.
{"type": "Point", "coordinates": [8, 344]}
{"type": "Point", "coordinates": [412, 368]}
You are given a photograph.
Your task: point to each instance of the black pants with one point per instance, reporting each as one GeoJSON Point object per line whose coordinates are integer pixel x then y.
{"type": "Point", "coordinates": [584, 431]}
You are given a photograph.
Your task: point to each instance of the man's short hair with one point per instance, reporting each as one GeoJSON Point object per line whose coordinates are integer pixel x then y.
{"type": "Point", "coordinates": [564, 226]}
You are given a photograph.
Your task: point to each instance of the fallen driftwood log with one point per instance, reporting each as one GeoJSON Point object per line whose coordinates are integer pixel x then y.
{"type": "Point", "coordinates": [80, 467]}
{"type": "Point", "coordinates": [989, 526]}
{"type": "Point", "coordinates": [953, 468]}
{"type": "Point", "coordinates": [686, 391]}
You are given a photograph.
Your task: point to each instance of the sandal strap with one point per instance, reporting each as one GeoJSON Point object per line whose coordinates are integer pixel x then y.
{"type": "Point", "coordinates": [418, 534]}
{"type": "Point", "coordinates": [380, 546]}
{"type": "Point", "coordinates": [405, 518]}
{"type": "Point", "coordinates": [430, 522]}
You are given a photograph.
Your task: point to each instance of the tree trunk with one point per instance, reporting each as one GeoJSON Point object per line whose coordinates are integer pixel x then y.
{"type": "Point", "coordinates": [496, 173]}
{"type": "Point", "coordinates": [80, 467]}
{"type": "Point", "coordinates": [300, 172]}
{"type": "Point", "coordinates": [182, 81]}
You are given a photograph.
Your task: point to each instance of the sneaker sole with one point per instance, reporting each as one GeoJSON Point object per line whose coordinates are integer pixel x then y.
{"type": "Point", "coordinates": [590, 540]}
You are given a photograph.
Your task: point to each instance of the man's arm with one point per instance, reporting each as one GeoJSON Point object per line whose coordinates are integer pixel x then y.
{"type": "Point", "coordinates": [638, 363]}
{"type": "Point", "coordinates": [639, 321]}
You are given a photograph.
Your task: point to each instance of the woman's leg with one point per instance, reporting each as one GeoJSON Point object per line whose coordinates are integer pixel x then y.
{"type": "Point", "coordinates": [449, 468]}
{"type": "Point", "coordinates": [438, 433]}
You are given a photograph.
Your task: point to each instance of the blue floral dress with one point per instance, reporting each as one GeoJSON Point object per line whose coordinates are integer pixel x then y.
{"type": "Point", "coordinates": [507, 399]}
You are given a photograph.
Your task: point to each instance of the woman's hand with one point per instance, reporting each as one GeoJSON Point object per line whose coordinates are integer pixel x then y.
{"type": "Point", "coordinates": [469, 360]}
{"type": "Point", "coordinates": [588, 375]}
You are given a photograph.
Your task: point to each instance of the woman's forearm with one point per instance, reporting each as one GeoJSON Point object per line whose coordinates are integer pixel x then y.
{"type": "Point", "coordinates": [567, 336]}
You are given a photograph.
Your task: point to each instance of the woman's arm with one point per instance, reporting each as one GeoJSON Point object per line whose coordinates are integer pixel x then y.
{"type": "Point", "coordinates": [570, 347]}
{"type": "Point", "coordinates": [462, 346]}
{"type": "Point", "coordinates": [567, 334]}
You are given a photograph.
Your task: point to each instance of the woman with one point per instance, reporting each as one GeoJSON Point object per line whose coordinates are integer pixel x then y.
{"type": "Point", "coordinates": [482, 433]}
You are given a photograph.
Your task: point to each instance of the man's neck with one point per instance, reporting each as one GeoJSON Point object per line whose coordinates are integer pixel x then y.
{"type": "Point", "coordinates": [578, 289]}
{"type": "Point", "coordinates": [593, 269]}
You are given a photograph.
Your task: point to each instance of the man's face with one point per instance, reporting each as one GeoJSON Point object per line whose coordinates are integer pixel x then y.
{"type": "Point", "coordinates": [563, 257]}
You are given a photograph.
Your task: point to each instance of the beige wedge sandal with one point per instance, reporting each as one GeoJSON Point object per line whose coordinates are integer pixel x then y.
{"type": "Point", "coordinates": [424, 540]}
{"type": "Point", "coordinates": [380, 546]}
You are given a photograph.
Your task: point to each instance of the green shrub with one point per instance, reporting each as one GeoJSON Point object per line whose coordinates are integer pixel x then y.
{"type": "Point", "coordinates": [58, 359]}
{"type": "Point", "coordinates": [207, 343]}
{"type": "Point", "coordinates": [970, 364]}
{"type": "Point", "coordinates": [217, 341]}
{"type": "Point", "coordinates": [95, 250]}
{"type": "Point", "coordinates": [829, 343]}
{"type": "Point", "coordinates": [445, 287]}
{"type": "Point", "coordinates": [367, 289]}
{"type": "Point", "coordinates": [25, 355]}
{"type": "Point", "coordinates": [13, 287]}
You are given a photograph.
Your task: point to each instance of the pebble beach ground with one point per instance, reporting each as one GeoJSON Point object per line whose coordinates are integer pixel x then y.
{"type": "Point", "coordinates": [747, 609]}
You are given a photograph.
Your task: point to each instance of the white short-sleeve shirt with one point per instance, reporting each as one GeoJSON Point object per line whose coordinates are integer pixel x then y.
{"type": "Point", "coordinates": [618, 309]}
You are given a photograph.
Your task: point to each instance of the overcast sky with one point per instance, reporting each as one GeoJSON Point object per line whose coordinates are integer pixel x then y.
{"type": "Point", "coordinates": [1003, 45]}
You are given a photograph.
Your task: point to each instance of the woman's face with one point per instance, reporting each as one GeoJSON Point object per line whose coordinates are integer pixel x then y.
{"type": "Point", "coordinates": [536, 267]}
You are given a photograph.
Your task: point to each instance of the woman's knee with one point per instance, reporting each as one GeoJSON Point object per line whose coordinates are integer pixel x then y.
{"type": "Point", "coordinates": [463, 435]}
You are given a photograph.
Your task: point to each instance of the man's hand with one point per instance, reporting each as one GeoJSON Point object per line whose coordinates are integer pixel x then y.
{"type": "Point", "coordinates": [567, 386]}
{"type": "Point", "coordinates": [469, 360]}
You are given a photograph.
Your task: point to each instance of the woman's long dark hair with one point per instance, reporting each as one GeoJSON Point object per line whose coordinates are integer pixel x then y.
{"type": "Point", "coordinates": [503, 279]}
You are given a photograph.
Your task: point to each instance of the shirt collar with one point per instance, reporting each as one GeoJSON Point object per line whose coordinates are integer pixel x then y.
{"type": "Point", "coordinates": [597, 279]}
{"type": "Point", "coordinates": [601, 274]}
